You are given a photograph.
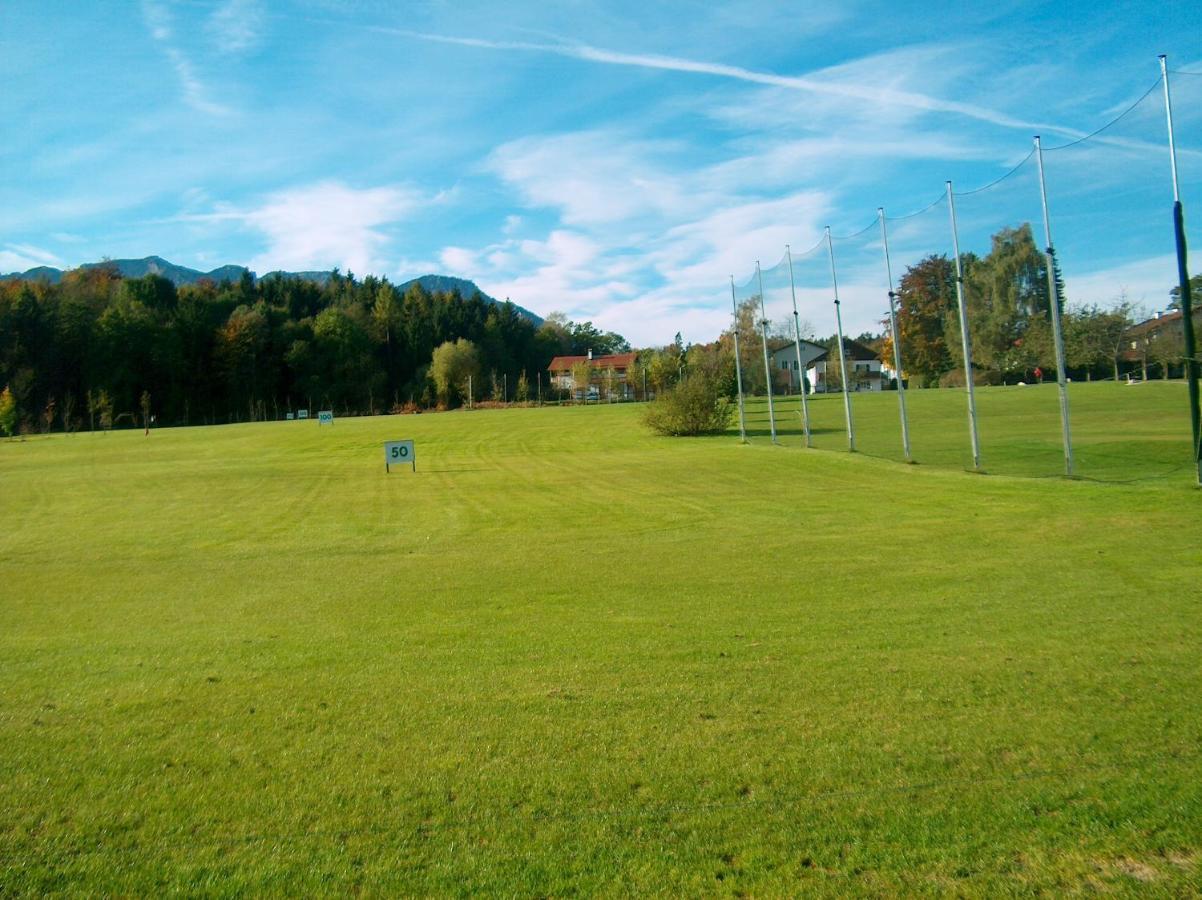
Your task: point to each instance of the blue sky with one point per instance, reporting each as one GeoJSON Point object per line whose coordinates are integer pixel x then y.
{"type": "Point", "coordinates": [615, 161]}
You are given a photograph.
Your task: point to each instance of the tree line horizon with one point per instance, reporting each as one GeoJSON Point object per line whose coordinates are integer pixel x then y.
{"type": "Point", "coordinates": [99, 347]}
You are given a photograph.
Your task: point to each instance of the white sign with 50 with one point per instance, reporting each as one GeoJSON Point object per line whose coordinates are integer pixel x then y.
{"type": "Point", "coordinates": [399, 453]}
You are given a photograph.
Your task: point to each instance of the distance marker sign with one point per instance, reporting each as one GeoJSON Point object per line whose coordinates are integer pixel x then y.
{"type": "Point", "coordinates": [399, 453]}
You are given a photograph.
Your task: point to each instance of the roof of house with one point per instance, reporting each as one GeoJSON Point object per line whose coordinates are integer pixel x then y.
{"type": "Point", "coordinates": [616, 360]}
{"type": "Point", "coordinates": [1157, 322]}
{"type": "Point", "coordinates": [854, 350]}
{"type": "Point", "coordinates": [775, 345]}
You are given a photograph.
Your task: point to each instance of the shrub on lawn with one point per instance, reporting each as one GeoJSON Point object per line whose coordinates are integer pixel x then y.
{"type": "Point", "coordinates": [694, 406]}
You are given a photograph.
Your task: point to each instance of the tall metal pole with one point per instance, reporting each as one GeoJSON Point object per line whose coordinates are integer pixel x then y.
{"type": "Point", "coordinates": [966, 345]}
{"type": "Point", "coordinates": [764, 336]}
{"type": "Point", "coordinates": [1187, 307]}
{"type": "Point", "coordinates": [734, 311]}
{"type": "Point", "coordinates": [851, 428]}
{"type": "Point", "coordinates": [893, 329]}
{"type": "Point", "coordinates": [801, 369]}
{"type": "Point", "coordinates": [1054, 309]}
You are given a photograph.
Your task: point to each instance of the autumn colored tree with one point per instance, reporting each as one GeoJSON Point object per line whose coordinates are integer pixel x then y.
{"type": "Point", "coordinates": [925, 295]}
{"type": "Point", "coordinates": [751, 359]}
{"type": "Point", "coordinates": [8, 412]}
{"type": "Point", "coordinates": [241, 354]}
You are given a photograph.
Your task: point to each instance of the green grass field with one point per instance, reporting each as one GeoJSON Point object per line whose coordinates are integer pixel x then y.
{"type": "Point", "coordinates": [567, 657]}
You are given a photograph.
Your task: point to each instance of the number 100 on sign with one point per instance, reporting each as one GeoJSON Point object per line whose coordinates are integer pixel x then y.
{"type": "Point", "coordinates": [399, 453]}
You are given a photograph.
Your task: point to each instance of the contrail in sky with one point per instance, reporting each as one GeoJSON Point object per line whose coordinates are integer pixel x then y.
{"type": "Point", "coordinates": [846, 90]}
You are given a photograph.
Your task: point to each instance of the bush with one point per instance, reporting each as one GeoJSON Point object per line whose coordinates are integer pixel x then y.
{"type": "Point", "coordinates": [695, 406]}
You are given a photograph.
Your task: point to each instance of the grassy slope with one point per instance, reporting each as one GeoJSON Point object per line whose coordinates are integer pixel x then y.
{"type": "Point", "coordinates": [567, 656]}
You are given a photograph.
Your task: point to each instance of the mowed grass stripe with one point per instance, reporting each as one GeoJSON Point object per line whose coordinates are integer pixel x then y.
{"type": "Point", "coordinates": [1120, 432]}
{"type": "Point", "coordinates": [567, 656]}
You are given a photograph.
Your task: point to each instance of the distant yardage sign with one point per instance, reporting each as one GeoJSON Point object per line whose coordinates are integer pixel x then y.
{"type": "Point", "coordinates": [302, 413]}
{"type": "Point", "coordinates": [325, 417]}
{"type": "Point", "coordinates": [399, 453]}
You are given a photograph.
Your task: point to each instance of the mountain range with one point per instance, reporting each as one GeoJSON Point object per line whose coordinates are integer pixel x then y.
{"type": "Point", "coordinates": [156, 265]}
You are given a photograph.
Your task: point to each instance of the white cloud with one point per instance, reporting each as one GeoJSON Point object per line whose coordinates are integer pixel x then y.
{"type": "Point", "coordinates": [20, 257]}
{"type": "Point", "coordinates": [458, 260]}
{"type": "Point", "coordinates": [567, 271]}
{"type": "Point", "coordinates": [592, 177]}
{"type": "Point", "coordinates": [320, 226]}
{"type": "Point", "coordinates": [649, 287]}
{"type": "Point", "coordinates": [328, 224]}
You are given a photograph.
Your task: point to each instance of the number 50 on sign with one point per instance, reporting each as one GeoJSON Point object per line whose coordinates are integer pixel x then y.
{"type": "Point", "coordinates": [399, 453]}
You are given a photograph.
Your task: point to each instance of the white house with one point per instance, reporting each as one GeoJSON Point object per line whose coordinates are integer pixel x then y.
{"type": "Point", "coordinates": [863, 370]}
{"type": "Point", "coordinates": [782, 356]}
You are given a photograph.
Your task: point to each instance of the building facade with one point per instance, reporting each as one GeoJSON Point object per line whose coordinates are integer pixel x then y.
{"type": "Point", "coordinates": [786, 374]}
{"type": "Point", "coordinates": [607, 375]}
{"type": "Point", "coordinates": [863, 370]}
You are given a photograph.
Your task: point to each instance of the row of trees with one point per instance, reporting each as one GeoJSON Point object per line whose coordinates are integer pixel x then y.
{"type": "Point", "coordinates": [90, 348]}
{"type": "Point", "coordinates": [1008, 303]}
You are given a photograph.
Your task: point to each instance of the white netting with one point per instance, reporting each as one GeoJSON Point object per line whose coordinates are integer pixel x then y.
{"type": "Point", "coordinates": [1109, 199]}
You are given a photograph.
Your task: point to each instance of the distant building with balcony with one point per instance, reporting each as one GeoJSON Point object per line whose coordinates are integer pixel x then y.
{"type": "Point", "coordinates": [863, 370]}
{"type": "Point", "coordinates": [560, 369]}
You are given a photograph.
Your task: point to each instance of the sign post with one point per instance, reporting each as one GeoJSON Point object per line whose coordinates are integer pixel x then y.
{"type": "Point", "coordinates": [399, 453]}
{"type": "Point", "coordinates": [325, 417]}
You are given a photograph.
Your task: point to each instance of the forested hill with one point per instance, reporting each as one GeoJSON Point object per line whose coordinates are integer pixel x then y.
{"type": "Point", "coordinates": [230, 351]}
{"type": "Point", "coordinates": [181, 275]}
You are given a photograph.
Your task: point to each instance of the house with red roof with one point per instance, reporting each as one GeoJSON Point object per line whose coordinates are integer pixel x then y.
{"type": "Point", "coordinates": [600, 367]}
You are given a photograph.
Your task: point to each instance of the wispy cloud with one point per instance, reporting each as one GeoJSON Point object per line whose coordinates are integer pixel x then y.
{"type": "Point", "coordinates": [593, 177]}
{"type": "Point", "coordinates": [236, 26]}
{"type": "Point", "coordinates": [846, 90]}
{"type": "Point", "coordinates": [21, 257]}
{"type": "Point", "coordinates": [196, 94]}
